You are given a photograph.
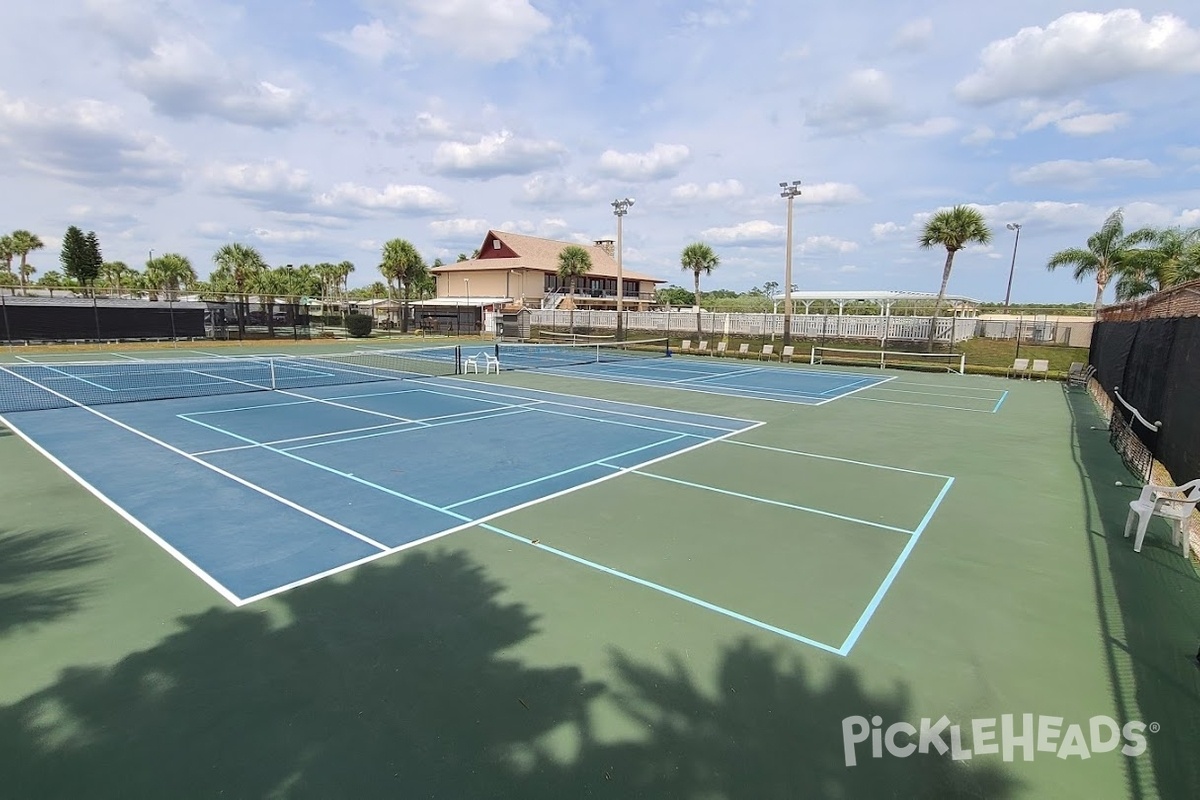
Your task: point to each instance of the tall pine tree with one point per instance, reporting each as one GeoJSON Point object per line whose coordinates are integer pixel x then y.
{"type": "Point", "coordinates": [75, 258]}
{"type": "Point", "coordinates": [95, 261]}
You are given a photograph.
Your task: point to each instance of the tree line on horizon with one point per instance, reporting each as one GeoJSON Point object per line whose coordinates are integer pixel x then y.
{"type": "Point", "coordinates": [1141, 262]}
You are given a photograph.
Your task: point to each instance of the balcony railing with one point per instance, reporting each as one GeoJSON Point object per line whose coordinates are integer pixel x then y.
{"type": "Point", "coordinates": [601, 294]}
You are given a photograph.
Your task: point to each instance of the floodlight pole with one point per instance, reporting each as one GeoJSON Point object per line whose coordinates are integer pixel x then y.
{"type": "Point", "coordinates": [1012, 226]}
{"type": "Point", "coordinates": [790, 191]}
{"type": "Point", "coordinates": [620, 209]}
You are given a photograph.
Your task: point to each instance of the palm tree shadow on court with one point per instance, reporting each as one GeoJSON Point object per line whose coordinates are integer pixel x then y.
{"type": "Point", "coordinates": [403, 680]}
{"type": "Point", "coordinates": [1146, 608]}
{"type": "Point", "coordinates": [771, 729]}
{"type": "Point", "coordinates": [36, 584]}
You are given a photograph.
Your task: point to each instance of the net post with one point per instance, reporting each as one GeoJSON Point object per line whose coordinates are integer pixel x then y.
{"type": "Point", "coordinates": [812, 354]}
{"type": "Point", "coordinates": [271, 363]}
{"type": "Point", "coordinates": [458, 358]}
{"type": "Point", "coordinates": [962, 364]}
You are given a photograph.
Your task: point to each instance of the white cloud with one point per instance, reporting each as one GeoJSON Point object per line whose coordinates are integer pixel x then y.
{"type": "Point", "coordinates": [1081, 173]}
{"type": "Point", "coordinates": [755, 233]}
{"type": "Point", "coordinates": [498, 154]}
{"type": "Point", "coordinates": [1042, 114]}
{"type": "Point", "coordinates": [982, 134]}
{"type": "Point", "coordinates": [1185, 153]}
{"type": "Point", "coordinates": [373, 42]}
{"type": "Point", "coordinates": [1092, 124]}
{"type": "Point", "coordinates": [457, 230]}
{"type": "Point", "coordinates": [662, 161]}
{"type": "Point", "coordinates": [914, 36]}
{"type": "Point", "coordinates": [185, 78]}
{"type": "Point", "coordinates": [864, 100]}
{"type": "Point", "coordinates": [934, 126]}
{"type": "Point", "coordinates": [86, 142]}
{"type": "Point", "coordinates": [884, 230]}
{"type": "Point", "coordinates": [1071, 118]}
{"type": "Point", "coordinates": [719, 13]}
{"type": "Point", "coordinates": [830, 194]}
{"type": "Point", "coordinates": [266, 179]}
{"type": "Point", "coordinates": [480, 30]}
{"type": "Point", "coordinates": [827, 244]}
{"type": "Point", "coordinates": [1081, 49]}
{"type": "Point", "coordinates": [717, 190]}
{"type": "Point", "coordinates": [356, 199]}
{"type": "Point", "coordinates": [431, 126]}
{"type": "Point", "coordinates": [558, 191]}
{"type": "Point", "coordinates": [276, 236]}
{"type": "Point", "coordinates": [554, 228]}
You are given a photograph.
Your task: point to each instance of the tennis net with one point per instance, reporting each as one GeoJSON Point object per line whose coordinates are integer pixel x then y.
{"type": "Point", "coordinates": [546, 356]}
{"type": "Point", "coordinates": [33, 387]}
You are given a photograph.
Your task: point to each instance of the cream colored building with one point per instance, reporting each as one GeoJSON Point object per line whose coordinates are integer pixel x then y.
{"type": "Point", "coordinates": [524, 269]}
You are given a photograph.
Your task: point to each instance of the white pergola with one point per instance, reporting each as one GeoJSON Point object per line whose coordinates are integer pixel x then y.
{"type": "Point", "coordinates": [961, 305]}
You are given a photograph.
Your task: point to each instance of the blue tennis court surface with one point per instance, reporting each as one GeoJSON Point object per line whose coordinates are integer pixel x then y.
{"type": "Point", "coordinates": [261, 491]}
{"type": "Point", "coordinates": [760, 381]}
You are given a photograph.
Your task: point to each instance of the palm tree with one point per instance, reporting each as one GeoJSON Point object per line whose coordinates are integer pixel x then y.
{"type": "Point", "coordinates": [573, 263]}
{"type": "Point", "coordinates": [27, 271]}
{"type": "Point", "coordinates": [8, 280]}
{"type": "Point", "coordinates": [236, 263]}
{"type": "Point", "coordinates": [7, 252]}
{"type": "Point", "coordinates": [23, 243]}
{"type": "Point", "coordinates": [52, 280]}
{"type": "Point", "coordinates": [953, 229]}
{"type": "Point", "coordinates": [698, 258]}
{"type": "Point", "coordinates": [269, 284]}
{"type": "Point", "coordinates": [170, 272]}
{"type": "Point", "coordinates": [1108, 252]}
{"type": "Point", "coordinates": [113, 271]}
{"type": "Point", "coordinates": [1173, 258]}
{"type": "Point", "coordinates": [400, 262]}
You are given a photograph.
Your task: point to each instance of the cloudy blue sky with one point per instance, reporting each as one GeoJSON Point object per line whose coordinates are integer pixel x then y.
{"type": "Point", "coordinates": [317, 130]}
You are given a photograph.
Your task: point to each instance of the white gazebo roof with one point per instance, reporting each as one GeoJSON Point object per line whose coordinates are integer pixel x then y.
{"type": "Point", "coordinates": [872, 295]}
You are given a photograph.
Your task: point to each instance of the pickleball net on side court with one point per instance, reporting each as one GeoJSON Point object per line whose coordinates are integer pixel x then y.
{"type": "Point", "coordinates": [518, 356]}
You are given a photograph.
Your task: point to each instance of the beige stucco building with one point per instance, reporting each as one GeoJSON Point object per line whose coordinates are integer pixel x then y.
{"type": "Point", "coordinates": [524, 269]}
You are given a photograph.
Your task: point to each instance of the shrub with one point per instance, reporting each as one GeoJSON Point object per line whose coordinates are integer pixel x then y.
{"type": "Point", "coordinates": [358, 325]}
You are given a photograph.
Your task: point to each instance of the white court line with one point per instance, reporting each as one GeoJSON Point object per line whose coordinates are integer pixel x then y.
{"type": "Point", "coordinates": [503, 512]}
{"type": "Point", "coordinates": [958, 388]}
{"type": "Point", "coordinates": [589, 465]}
{"type": "Point", "coordinates": [488, 414]}
{"type": "Point", "coordinates": [795, 398]}
{"type": "Point", "coordinates": [941, 394]}
{"type": "Point", "coordinates": [604, 410]}
{"type": "Point", "coordinates": [430, 422]}
{"type": "Point", "coordinates": [712, 375]}
{"type": "Point", "coordinates": [833, 458]}
{"type": "Point", "coordinates": [925, 405]}
{"type": "Point", "coordinates": [767, 501]}
{"type": "Point", "coordinates": [27, 360]}
{"type": "Point", "coordinates": [469, 385]}
{"type": "Point", "coordinates": [224, 473]}
{"type": "Point", "coordinates": [122, 355]}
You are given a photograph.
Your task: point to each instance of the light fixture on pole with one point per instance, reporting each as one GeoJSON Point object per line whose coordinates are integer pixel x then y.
{"type": "Point", "coordinates": [1012, 226]}
{"type": "Point", "coordinates": [620, 209]}
{"type": "Point", "coordinates": [790, 191]}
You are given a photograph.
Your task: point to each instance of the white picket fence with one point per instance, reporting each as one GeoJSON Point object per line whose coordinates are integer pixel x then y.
{"type": "Point", "coordinates": [806, 326]}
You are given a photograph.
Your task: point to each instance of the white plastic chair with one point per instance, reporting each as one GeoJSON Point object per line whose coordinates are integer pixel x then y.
{"type": "Point", "coordinates": [703, 348]}
{"type": "Point", "coordinates": [1041, 366]}
{"type": "Point", "coordinates": [685, 346]}
{"type": "Point", "coordinates": [1173, 503]}
{"type": "Point", "coordinates": [788, 351]}
{"type": "Point", "coordinates": [767, 351]}
{"type": "Point", "coordinates": [743, 350]}
{"type": "Point", "coordinates": [471, 363]}
{"type": "Point", "coordinates": [1020, 367]}
{"type": "Point", "coordinates": [721, 347]}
